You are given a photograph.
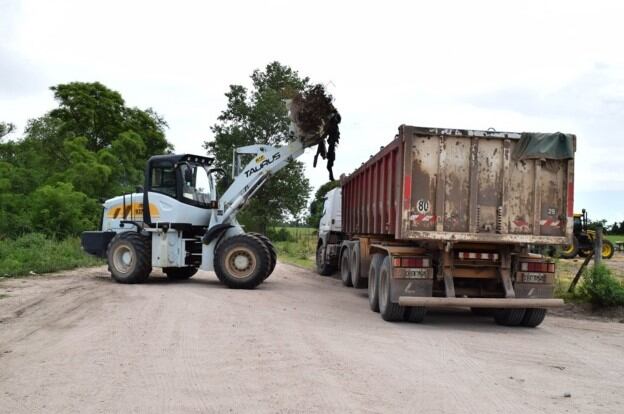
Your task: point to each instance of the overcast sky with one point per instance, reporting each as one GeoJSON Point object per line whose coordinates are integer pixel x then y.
{"type": "Point", "coordinates": [516, 66]}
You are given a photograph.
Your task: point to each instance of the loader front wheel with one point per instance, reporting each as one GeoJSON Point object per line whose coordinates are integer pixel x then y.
{"type": "Point", "coordinates": [179, 273]}
{"type": "Point", "coordinates": [242, 261]}
{"type": "Point", "coordinates": [272, 251]}
{"type": "Point", "coordinates": [129, 257]}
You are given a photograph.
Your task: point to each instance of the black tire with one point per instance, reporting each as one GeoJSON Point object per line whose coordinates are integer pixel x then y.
{"type": "Point", "coordinates": [570, 251]}
{"type": "Point", "coordinates": [322, 267]}
{"type": "Point", "coordinates": [357, 280]}
{"type": "Point", "coordinates": [179, 273]}
{"type": "Point", "coordinates": [415, 314]}
{"type": "Point", "coordinates": [482, 311]}
{"type": "Point", "coordinates": [533, 317]}
{"type": "Point", "coordinates": [129, 256]}
{"type": "Point", "coordinates": [345, 269]}
{"type": "Point", "coordinates": [390, 312]}
{"type": "Point", "coordinates": [509, 317]}
{"type": "Point", "coordinates": [272, 251]}
{"type": "Point", "coordinates": [373, 281]}
{"type": "Point", "coordinates": [242, 261]}
{"type": "Point", "coordinates": [607, 249]}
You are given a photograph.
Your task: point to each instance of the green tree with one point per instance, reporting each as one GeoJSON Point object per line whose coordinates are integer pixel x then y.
{"type": "Point", "coordinates": [6, 129]}
{"type": "Point", "coordinates": [316, 206]}
{"type": "Point", "coordinates": [259, 116]}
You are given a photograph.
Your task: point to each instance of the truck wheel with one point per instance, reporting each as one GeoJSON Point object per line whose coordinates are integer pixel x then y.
{"type": "Point", "coordinates": [322, 267]}
{"type": "Point", "coordinates": [482, 311]}
{"type": "Point", "coordinates": [389, 311]}
{"type": "Point", "coordinates": [373, 281]}
{"type": "Point", "coordinates": [607, 249]}
{"type": "Point", "coordinates": [571, 250]}
{"type": "Point", "coordinates": [533, 317]}
{"type": "Point", "coordinates": [129, 257]}
{"type": "Point", "coordinates": [345, 271]}
{"type": "Point", "coordinates": [179, 273]}
{"type": "Point", "coordinates": [356, 278]}
{"type": "Point", "coordinates": [415, 314]}
{"type": "Point", "coordinates": [272, 251]}
{"type": "Point", "coordinates": [242, 261]}
{"type": "Point", "coordinates": [509, 317]}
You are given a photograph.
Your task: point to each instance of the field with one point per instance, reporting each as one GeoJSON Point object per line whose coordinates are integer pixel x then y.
{"type": "Point", "coordinates": [295, 245]}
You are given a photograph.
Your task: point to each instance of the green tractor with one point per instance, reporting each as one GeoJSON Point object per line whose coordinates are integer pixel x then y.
{"type": "Point", "coordinates": [583, 240]}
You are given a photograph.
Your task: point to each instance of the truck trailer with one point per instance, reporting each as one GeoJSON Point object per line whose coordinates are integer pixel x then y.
{"type": "Point", "coordinates": [448, 218]}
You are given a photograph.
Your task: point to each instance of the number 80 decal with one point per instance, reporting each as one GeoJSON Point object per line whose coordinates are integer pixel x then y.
{"type": "Point", "coordinates": [422, 206]}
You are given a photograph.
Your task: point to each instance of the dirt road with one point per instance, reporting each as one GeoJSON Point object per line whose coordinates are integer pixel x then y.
{"type": "Point", "coordinates": [301, 343]}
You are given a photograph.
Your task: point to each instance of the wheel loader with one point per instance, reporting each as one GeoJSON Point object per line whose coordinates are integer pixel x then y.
{"type": "Point", "coordinates": [178, 222]}
{"type": "Point", "coordinates": [584, 239]}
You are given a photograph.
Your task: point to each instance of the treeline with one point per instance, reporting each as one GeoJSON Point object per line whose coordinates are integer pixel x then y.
{"type": "Point", "coordinates": [91, 147]}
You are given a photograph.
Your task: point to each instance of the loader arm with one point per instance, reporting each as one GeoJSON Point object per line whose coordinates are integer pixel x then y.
{"type": "Point", "coordinates": [267, 160]}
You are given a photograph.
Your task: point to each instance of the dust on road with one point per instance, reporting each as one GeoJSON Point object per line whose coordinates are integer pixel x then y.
{"type": "Point", "coordinates": [77, 342]}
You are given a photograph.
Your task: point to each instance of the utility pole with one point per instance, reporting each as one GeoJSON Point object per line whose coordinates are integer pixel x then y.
{"type": "Point", "coordinates": [598, 246]}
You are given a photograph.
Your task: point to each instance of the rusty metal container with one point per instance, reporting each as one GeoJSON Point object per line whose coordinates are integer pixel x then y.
{"type": "Point", "coordinates": [459, 185]}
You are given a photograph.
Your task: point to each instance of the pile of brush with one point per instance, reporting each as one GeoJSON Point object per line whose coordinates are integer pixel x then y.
{"type": "Point", "coordinates": [315, 121]}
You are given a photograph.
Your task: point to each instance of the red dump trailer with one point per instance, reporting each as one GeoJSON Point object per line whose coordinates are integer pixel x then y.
{"type": "Point", "coordinates": [447, 217]}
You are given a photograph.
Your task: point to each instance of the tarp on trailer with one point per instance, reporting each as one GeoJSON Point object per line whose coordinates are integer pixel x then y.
{"type": "Point", "coordinates": [555, 146]}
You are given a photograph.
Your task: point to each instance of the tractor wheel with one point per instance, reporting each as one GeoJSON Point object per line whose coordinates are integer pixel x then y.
{"type": "Point", "coordinates": [129, 257]}
{"type": "Point", "coordinates": [179, 273]}
{"type": "Point", "coordinates": [356, 278]}
{"type": "Point", "coordinates": [571, 250]}
{"type": "Point", "coordinates": [391, 312]}
{"type": "Point", "coordinates": [509, 317]}
{"type": "Point", "coordinates": [272, 251]}
{"type": "Point", "coordinates": [322, 267]}
{"type": "Point", "coordinates": [373, 281]}
{"type": "Point", "coordinates": [533, 317]}
{"type": "Point", "coordinates": [607, 249]}
{"type": "Point", "coordinates": [345, 269]}
{"type": "Point", "coordinates": [242, 261]}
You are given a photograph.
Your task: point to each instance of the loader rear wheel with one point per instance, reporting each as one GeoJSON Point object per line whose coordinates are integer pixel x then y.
{"type": "Point", "coordinates": [129, 257]}
{"type": "Point", "coordinates": [179, 273]}
{"type": "Point", "coordinates": [391, 312]}
{"type": "Point", "coordinates": [272, 251]}
{"type": "Point", "coordinates": [509, 317]}
{"type": "Point", "coordinates": [345, 268]}
{"type": "Point", "coordinates": [242, 261]}
{"type": "Point", "coordinates": [533, 317]}
{"type": "Point", "coordinates": [373, 281]}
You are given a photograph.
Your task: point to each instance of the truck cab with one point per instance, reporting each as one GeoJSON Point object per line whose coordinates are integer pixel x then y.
{"type": "Point", "coordinates": [329, 232]}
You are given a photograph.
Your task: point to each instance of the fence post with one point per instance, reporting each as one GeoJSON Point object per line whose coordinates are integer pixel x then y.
{"type": "Point", "coordinates": [598, 246]}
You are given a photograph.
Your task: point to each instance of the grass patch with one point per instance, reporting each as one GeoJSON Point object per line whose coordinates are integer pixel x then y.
{"type": "Point", "coordinates": [601, 288]}
{"type": "Point", "coordinates": [36, 253]}
{"type": "Point", "coordinates": [295, 245]}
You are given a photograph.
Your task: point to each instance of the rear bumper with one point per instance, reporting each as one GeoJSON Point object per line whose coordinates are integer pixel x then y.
{"type": "Point", "coordinates": [430, 302]}
{"type": "Point", "coordinates": [96, 242]}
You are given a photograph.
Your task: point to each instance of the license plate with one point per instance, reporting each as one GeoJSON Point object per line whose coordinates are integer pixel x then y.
{"type": "Point", "coordinates": [415, 273]}
{"type": "Point", "coordinates": [535, 277]}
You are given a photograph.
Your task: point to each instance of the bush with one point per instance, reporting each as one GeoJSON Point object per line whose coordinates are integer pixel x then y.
{"type": "Point", "coordinates": [601, 288]}
{"type": "Point", "coordinates": [281, 234]}
{"type": "Point", "coordinates": [35, 253]}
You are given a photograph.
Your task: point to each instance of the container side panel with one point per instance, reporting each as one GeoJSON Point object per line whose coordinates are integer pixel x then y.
{"type": "Point", "coordinates": [456, 184]}
{"type": "Point", "coordinates": [489, 183]}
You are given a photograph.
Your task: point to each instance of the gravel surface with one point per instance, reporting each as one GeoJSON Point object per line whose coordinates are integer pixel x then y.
{"type": "Point", "coordinates": [77, 342]}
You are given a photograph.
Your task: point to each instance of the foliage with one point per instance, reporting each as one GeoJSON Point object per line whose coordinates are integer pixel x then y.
{"type": "Point", "coordinates": [316, 206]}
{"type": "Point", "coordinates": [91, 147]}
{"type": "Point", "coordinates": [601, 288]}
{"type": "Point", "coordinates": [259, 116]}
{"type": "Point", "coordinates": [6, 129]}
{"type": "Point", "coordinates": [36, 253]}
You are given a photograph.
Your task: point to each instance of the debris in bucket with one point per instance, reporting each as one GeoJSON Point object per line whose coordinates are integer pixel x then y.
{"type": "Point", "coordinates": [315, 119]}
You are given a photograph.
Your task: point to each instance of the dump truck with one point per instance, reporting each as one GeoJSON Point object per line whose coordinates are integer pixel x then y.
{"type": "Point", "coordinates": [448, 217]}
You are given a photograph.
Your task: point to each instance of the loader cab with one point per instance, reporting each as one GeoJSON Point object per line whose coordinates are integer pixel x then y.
{"type": "Point", "coordinates": [186, 178]}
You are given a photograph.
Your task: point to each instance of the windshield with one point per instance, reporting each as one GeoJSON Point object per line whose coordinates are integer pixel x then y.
{"type": "Point", "coordinates": [196, 185]}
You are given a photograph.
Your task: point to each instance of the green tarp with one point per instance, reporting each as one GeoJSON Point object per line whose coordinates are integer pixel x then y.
{"type": "Point", "coordinates": [556, 146]}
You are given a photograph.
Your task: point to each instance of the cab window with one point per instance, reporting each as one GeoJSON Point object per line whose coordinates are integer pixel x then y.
{"type": "Point", "coordinates": [196, 185]}
{"type": "Point", "coordinates": [163, 179]}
